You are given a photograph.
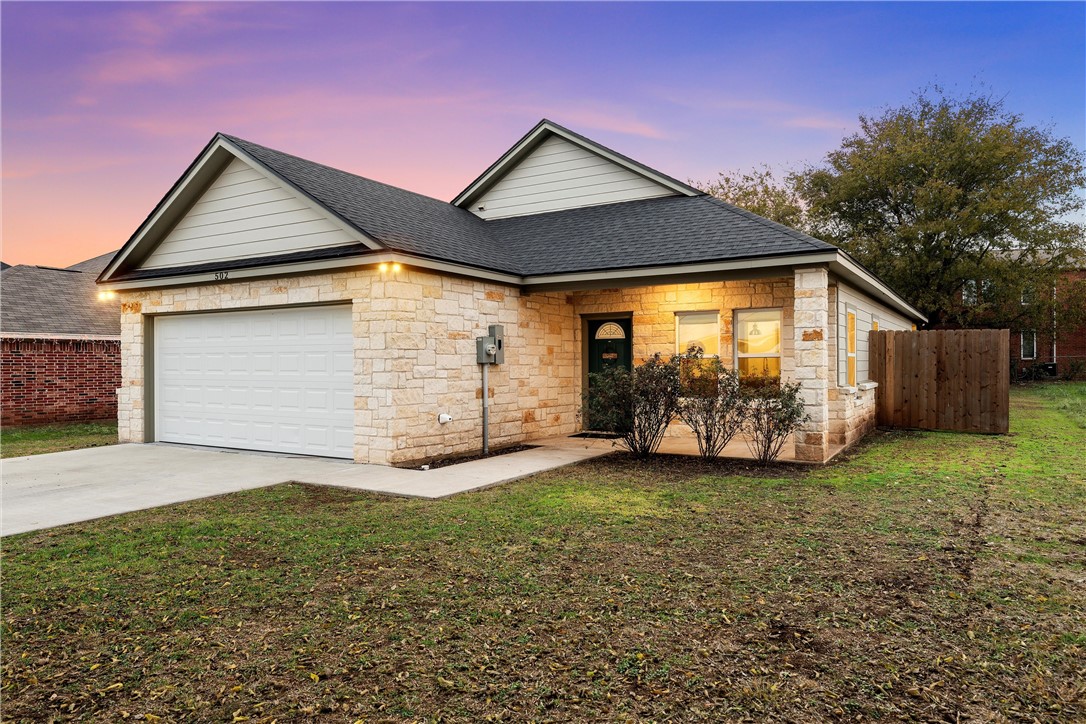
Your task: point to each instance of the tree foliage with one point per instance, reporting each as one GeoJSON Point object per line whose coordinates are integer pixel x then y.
{"type": "Point", "coordinates": [761, 192]}
{"type": "Point", "coordinates": [943, 197]}
{"type": "Point", "coordinates": [944, 190]}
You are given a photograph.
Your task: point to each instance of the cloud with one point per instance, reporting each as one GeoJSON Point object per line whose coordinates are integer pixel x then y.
{"type": "Point", "coordinates": [133, 66]}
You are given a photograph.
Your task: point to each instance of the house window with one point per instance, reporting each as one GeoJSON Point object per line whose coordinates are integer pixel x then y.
{"type": "Point", "coordinates": [1029, 345]}
{"type": "Point", "coordinates": [758, 342]}
{"type": "Point", "coordinates": [851, 349]}
{"type": "Point", "coordinates": [700, 329]}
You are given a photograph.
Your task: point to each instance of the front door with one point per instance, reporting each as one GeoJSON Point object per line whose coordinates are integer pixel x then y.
{"type": "Point", "coordinates": [609, 345]}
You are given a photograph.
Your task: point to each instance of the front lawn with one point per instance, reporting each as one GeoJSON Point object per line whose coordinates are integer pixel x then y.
{"type": "Point", "coordinates": [34, 440]}
{"type": "Point", "coordinates": [929, 576]}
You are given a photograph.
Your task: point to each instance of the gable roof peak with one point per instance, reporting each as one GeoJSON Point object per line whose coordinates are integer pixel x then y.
{"type": "Point", "coordinates": [539, 133]}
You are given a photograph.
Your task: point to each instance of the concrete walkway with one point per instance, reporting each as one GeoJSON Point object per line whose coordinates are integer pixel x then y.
{"type": "Point", "coordinates": [42, 491]}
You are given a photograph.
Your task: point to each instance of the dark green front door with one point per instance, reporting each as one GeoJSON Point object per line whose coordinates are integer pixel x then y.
{"type": "Point", "coordinates": [609, 345]}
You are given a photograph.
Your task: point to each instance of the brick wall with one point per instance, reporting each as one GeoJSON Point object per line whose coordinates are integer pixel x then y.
{"type": "Point", "coordinates": [58, 380]}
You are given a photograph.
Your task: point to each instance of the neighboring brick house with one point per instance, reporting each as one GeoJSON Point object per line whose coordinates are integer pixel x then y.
{"type": "Point", "coordinates": [1064, 347]}
{"type": "Point", "coordinates": [59, 345]}
{"type": "Point", "coordinates": [273, 303]}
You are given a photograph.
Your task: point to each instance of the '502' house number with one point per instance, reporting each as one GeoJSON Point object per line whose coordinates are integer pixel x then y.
{"type": "Point", "coordinates": [221, 276]}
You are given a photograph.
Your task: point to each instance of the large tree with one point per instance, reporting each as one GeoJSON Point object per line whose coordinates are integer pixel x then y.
{"type": "Point", "coordinates": [961, 206]}
{"type": "Point", "coordinates": [761, 192]}
{"type": "Point", "coordinates": [947, 193]}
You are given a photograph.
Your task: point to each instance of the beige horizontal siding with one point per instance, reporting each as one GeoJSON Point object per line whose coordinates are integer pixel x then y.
{"type": "Point", "coordinates": [559, 175]}
{"type": "Point", "coordinates": [867, 310]}
{"type": "Point", "coordinates": [244, 214]}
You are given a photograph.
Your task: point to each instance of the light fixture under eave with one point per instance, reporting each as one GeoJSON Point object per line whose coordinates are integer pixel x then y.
{"type": "Point", "coordinates": [395, 267]}
{"type": "Point", "coordinates": [106, 294]}
{"type": "Point", "coordinates": [383, 267]}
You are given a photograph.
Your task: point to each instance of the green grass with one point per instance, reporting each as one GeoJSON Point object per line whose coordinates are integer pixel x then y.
{"type": "Point", "coordinates": [34, 440]}
{"type": "Point", "coordinates": [927, 576]}
{"type": "Point", "coordinates": [1068, 397]}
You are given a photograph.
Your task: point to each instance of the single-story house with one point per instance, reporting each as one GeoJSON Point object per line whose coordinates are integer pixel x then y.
{"type": "Point", "coordinates": [60, 346]}
{"type": "Point", "coordinates": [274, 303]}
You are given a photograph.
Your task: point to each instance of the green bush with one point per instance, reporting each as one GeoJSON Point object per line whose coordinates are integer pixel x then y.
{"type": "Point", "coordinates": [774, 412]}
{"type": "Point", "coordinates": [638, 405]}
{"type": "Point", "coordinates": [712, 404]}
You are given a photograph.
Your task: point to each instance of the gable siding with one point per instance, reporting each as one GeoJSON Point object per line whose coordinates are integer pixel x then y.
{"type": "Point", "coordinates": [243, 214]}
{"type": "Point", "coordinates": [867, 310]}
{"type": "Point", "coordinates": [559, 175]}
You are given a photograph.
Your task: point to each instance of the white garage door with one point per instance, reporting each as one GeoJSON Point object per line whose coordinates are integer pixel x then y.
{"type": "Point", "coordinates": [278, 380]}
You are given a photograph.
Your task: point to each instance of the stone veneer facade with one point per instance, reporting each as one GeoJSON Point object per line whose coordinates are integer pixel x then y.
{"type": "Point", "coordinates": [414, 344]}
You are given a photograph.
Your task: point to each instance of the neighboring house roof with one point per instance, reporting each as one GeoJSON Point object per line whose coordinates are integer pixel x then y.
{"type": "Point", "coordinates": [682, 227]}
{"type": "Point", "coordinates": [40, 301]}
{"type": "Point", "coordinates": [4, 265]}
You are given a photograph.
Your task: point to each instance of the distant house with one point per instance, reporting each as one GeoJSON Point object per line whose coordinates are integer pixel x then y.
{"type": "Point", "coordinates": [59, 345]}
{"type": "Point", "coordinates": [1063, 347]}
{"type": "Point", "coordinates": [273, 303]}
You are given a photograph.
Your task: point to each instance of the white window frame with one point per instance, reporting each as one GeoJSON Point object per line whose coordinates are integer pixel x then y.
{"type": "Point", "coordinates": [736, 356]}
{"type": "Point", "coordinates": [679, 315]}
{"type": "Point", "coordinates": [1022, 343]}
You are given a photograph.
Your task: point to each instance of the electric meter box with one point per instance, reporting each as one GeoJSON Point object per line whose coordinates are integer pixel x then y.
{"type": "Point", "coordinates": [490, 350]}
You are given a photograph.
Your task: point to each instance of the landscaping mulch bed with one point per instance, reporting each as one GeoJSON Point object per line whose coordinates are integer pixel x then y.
{"type": "Point", "coordinates": [445, 461]}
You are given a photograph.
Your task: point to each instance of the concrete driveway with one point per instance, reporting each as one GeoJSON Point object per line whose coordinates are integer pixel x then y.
{"type": "Point", "coordinates": [42, 491]}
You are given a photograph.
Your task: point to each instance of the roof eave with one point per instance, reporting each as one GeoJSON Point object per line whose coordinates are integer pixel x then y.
{"type": "Point", "coordinates": [207, 165]}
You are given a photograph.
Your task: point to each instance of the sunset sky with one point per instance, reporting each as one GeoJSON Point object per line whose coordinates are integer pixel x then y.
{"type": "Point", "coordinates": [105, 104]}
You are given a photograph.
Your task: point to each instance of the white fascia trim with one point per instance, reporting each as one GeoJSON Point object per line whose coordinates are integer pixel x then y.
{"type": "Point", "coordinates": [659, 271]}
{"type": "Point", "coordinates": [147, 225]}
{"type": "Point", "coordinates": [312, 267]}
{"type": "Point", "coordinates": [513, 155]}
{"type": "Point", "coordinates": [183, 187]}
{"type": "Point", "coordinates": [302, 196]}
{"type": "Point", "coordinates": [874, 284]}
{"type": "Point", "coordinates": [49, 335]}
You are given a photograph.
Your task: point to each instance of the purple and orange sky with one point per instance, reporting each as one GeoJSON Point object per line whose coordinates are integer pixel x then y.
{"type": "Point", "coordinates": [105, 104]}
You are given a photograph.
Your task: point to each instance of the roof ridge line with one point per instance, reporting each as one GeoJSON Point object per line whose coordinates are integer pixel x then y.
{"type": "Point", "coordinates": [337, 170]}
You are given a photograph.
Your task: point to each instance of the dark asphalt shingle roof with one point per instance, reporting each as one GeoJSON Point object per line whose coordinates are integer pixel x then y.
{"type": "Point", "coordinates": [652, 232]}
{"type": "Point", "coordinates": [397, 218]}
{"type": "Point", "coordinates": [45, 301]}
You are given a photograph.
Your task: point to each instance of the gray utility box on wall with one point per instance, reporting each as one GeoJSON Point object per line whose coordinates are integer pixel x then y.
{"type": "Point", "coordinates": [490, 350]}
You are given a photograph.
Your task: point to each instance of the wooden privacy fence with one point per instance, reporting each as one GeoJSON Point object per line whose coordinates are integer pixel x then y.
{"type": "Point", "coordinates": [943, 379]}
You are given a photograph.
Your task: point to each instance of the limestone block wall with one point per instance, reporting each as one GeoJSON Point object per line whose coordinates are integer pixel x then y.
{"type": "Point", "coordinates": [414, 337]}
{"type": "Point", "coordinates": [811, 335]}
{"type": "Point", "coordinates": [852, 413]}
{"type": "Point", "coordinates": [654, 307]}
{"type": "Point", "coordinates": [653, 310]}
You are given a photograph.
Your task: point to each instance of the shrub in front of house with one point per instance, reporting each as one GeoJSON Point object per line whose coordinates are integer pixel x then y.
{"type": "Point", "coordinates": [712, 405]}
{"type": "Point", "coordinates": [774, 412]}
{"type": "Point", "coordinates": [637, 405]}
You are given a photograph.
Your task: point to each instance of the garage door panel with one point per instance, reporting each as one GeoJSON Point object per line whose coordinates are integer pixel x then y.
{"type": "Point", "coordinates": [277, 380]}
